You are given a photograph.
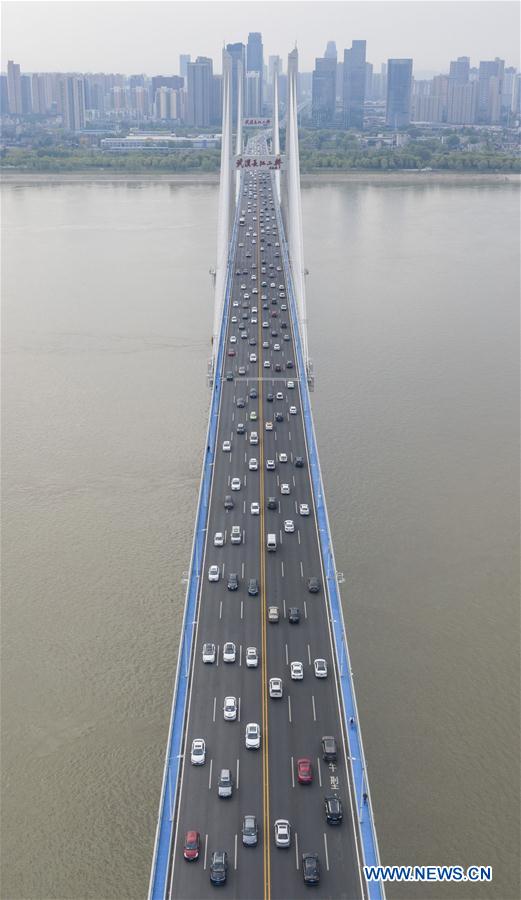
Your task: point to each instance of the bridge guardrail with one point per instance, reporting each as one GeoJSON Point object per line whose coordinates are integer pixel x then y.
{"type": "Point", "coordinates": [357, 757]}
{"type": "Point", "coordinates": [163, 839]}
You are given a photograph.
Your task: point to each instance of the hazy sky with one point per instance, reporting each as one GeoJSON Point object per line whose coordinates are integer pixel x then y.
{"type": "Point", "coordinates": [148, 37]}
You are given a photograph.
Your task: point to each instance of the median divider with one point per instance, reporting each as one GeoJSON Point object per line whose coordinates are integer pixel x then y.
{"type": "Point", "coordinates": [170, 784]}
{"type": "Point", "coordinates": [371, 856]}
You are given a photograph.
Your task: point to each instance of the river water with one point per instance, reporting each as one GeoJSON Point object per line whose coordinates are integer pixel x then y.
{"type": "Point", "coordinates": [413, 329]}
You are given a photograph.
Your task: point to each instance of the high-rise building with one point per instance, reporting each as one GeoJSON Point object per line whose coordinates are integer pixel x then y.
{"type": "Point", "coordinates": [489, 90]}
{"type": "Point", "coordinates": [323, 91]}
{"type": "Point", "coordinates": [368, 81]}
{"type": "Point", "coordinates": [459, 69]}
{"type": "Point", "coordinates": [4, 96]}
{"type": "Point", "coordinates": [216, 100]}
{"type": "Point", "coordinates": [354, 85]}
{"type": "Point", "coordinates": [238, 55]}
{"type": "Point", "coordinates": [72, 102]}
{"type": "Point", "coordinates": [331, 51]}
{"type": "Point", "coordinates": [198, 94]}
{"type": "Point", "coordinates": [167, 104]}
{"type": "Point", "coordinates": [26, 92]}
{"type": "Point", "coordinates": [399, 83]}
{"type": "Point", "coordinates": [507, 92]}
{"type": "Point", "coordinates": [253, 94]}
{"type": "Point", "coordinates": [462, 102]}
{"type": "Point", "coordinates": [274, 62]}
{"type": "Point", "coordinates": [255, 60]}
{"type": "Point", "coordinates": [172, 81]}
{"type": "Point", "coordinates": [184, 59]}
{"type": "Point", "coordinates": [14, 88]}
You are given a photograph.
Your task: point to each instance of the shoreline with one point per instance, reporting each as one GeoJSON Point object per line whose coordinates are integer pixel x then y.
{"type": "Point", "coordinates": [359, 176]}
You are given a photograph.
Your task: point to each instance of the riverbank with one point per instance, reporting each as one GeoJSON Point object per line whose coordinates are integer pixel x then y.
{"type": "Point", "coordinates": [358, 176]}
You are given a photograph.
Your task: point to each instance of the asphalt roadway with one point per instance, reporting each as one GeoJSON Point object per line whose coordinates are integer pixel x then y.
{"type": "Point", "coordinates": [292, 727]}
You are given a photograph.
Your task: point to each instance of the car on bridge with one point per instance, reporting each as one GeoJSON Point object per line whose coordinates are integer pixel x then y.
{"type": "Point", "coordinates": [252, 737]}
{"type": "Point", "coordinates": [296, 671]}
{"type": "Point", "coordinates": [303, 509]}
{"type": "Point", "coordinates": [218, 867]}
{"type": "Point", "coordinates": [229, 652]}
{"type": "Point", "coordinates": [235, 484]}
{"type": "Point", "coordinates": [249, 831]}
{"type": "Point", "coordinates": [192, 845]}
{"type": "Point", "coordinates": [230, 709]}
{"type": "Point", "coordinates": [198, 752]}
{"type": "Point", "coordinates": [313, 585]}
{"type": "Point", "coordinates": [310, 868]}
{"type": "Point", "coordinates": [282, 830]}
{"type": "Point", "coordinates": [304, 771]}
{"type": "Point", "coordinates": [218, 539]}
{"type": "Point", "coordinates": [333, 810]}
{"type": "Point", "coordinates": [214, 573]}
{"type": "Point", "coordinates": [228, 502]}
{"type": "Point", "coordinates": [233, 581]}
{"type": "Point", "coordinates": [208, 653]}
{"type": "Point", "coordinates": [320, 667]}
{"type": "Point", "coordinates": [276, 688]}
{"type": "Point", "coordinates": [252, 657]}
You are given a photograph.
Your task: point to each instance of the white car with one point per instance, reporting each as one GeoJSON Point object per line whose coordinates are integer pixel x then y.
{"type": "Point", "coordinates": [236, 534]}
{"type": "Point", "coordinates": [233, 339]}
{"type": "Point", "coordinates": [267, 364]}
{"type": "Point", "coordinates": [289, 526]}
{"type": "Point", "coordinates": [279, 395]}
{"type": "Point", "coordinates": [253, 416]}
{"type": "Point", "coordinates": [254, 310]}
{"type": "Point", "coordinates": [297, 671]}
{"type": "Point", "coordinates": [276, 346]}
{"type": "Point", "coordinates": [229, 652]}
{"type": "Point", "coordinates": [252, 657]}
{"type": "Point", "coordinates": [303, 509]}
{"type": "Point", "coordinates": [198, 754]}
{"type": "Point", "coordinates": [270, 464]}
{"type": "Point", "coordinates": [218, 539]}
{"type": "Point", "coordinates": [230, 709]}
{"type": "Point", "coordinates": [252, 736]}
{"type": "Point", "coordinates": [320, 666]}
{"type": "Point", "coordinates": [208, 653]}
{"type": "Point", "coordinates": [243, 287]}
{"type": "Point", "coordinates": [293, 410]}
{"type": "Point", "coordinates": [265, 325]}
{"type": "Point", "coordinates": [254, 438]}
{"type": "Point", "coordinates": [276, 688]}
{"type": "Point", "coordinates": [285, 488]}
{"type": "Point", "coordinates": [213, 573]}
{"type": "Point", "coordinates": [254, 509]}
{"type": "Point", "coordinates": [235, 303]}
{"type": "Point", "coordinates": [234, 320]}
{"type": "Point", "coordinates": [253, 357]}
{"type": "Point", "coordinates": [283, 457]}
{"type": "Point", "coordinates": [269, 426]}
{"type": "Point", "coordinates": [290, 385]}
{"type": "Point", "coordinates": [253, 465]}
{"type": "Point", "coordinates": [227, 446]}
{"type": "Point", "coordinates": [282, 833]}
{"type": "Point", "coordinates": [235, 484]}
{"type": "Point", "coordinates": [254, 322]}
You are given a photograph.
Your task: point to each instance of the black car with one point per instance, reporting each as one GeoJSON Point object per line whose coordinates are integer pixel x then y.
{"type": "Point", "coordinates": [313, 585]}
{"type": "Point", "coordinates": [253, 587]}
{"type": "Point", "coordinates": [274, 333]}
{"type": "Point", "coordinates": [283, 324]}
{"type": "Point", "coordinates": [272, 503]}
{"type": "Point", "coordinates": [310, 868]}
{"type": "Point", "coordinates": [329, 749]}
{"type": "Point", "coordinates": [269, 398]}
{"type": "Point", "coordinates": [289, 364]}
{"type": "Point", "coordinates": [253, 393]}
{"type": "Point", "coordinates": [278, 367]}
{"type": "Point", "coordinates": [228, 502]}
{"type": "Point", "coordinates": [240, 428]}
{"type": "Point", "coordinates": [299, 462]}
{"type": "Point", "coordinates": [241, 402]}
{"type": "Point", "coordinates": [294, 615]}
{"type": "Point", "coordinates": [279, 417]}
{"type": "Point", "coordinates": [334, 811]}
{"type": "Point", "coordinates": [229, 376]}
{"type": "Point", "coordinates": [218, 866]}
{"type": "Point", "coordinates": [233, 581]}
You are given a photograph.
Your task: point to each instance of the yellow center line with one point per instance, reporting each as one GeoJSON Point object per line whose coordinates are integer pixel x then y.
{"type": "Point", "coordinates": [262, 575]}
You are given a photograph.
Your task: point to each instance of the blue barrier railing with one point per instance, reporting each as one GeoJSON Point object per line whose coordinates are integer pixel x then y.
{"type": "Point", "coordinates": [163, 840]}
{"type": "Point", "coordinates": [356, 751]}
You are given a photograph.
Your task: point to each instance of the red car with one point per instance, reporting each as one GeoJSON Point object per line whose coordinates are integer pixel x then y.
{"type": "Point", "coordinates": [304, 771]}
{"type": "Point", "coordinates": [192, 845]}
{"type": "Point", "coordinates": [231, 352]}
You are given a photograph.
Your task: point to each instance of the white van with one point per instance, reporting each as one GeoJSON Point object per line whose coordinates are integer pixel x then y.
{"type": "Point", "coordinates": [271, 542]}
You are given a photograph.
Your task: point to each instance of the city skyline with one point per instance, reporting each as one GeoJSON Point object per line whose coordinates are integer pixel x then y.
{"type": "Point", "coordinates": [481, 30]}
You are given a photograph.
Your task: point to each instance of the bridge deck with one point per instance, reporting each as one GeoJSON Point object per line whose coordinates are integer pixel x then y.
{"type": "Point", "coordinates": [265, 780]}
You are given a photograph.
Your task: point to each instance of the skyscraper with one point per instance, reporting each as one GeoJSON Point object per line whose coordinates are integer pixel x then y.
{"type": "Point", "coordinates": [238, 55]}
{"type": "Point", "coordinates": [72, 102]}
{"type": "Point", "coordinates": [354, 85]}
{"type": "Point", "coordinates": [255, 60]}
{"type": "Point", "coordinates": [14, 88]}
{"type": "Point", "coordinates": [26, 92]}
{"type": "Point", "coordinates": [198, 96]}
{"type": "Point", "coordinates": [490, 83]}
{"type": "Point", "coordinates": [4, 96]}
{"type": "Point", "coordinates": [459, 69]}
{"type": "Point", "coordinates": [274, 62]}
{"type": "Point", "coordinates": [331, 51]}
{"type": "Point", "coordinates": [399, 83]}
{"type": "Point", "coordinates": [253, 94]}
{"type": "Point", "coordinates": [216, 100]}
{"type": "Point", "coordinates": [184, 59]}
{"type": "Point", "coordinates": [323, 91]}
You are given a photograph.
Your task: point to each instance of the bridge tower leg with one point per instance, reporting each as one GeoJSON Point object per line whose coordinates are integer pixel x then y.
{"type": "Point", "coordinates": [238, 144]}
{"type": "Point", "coordinates": [293, 204]}
{"type": "Point", "coordinates": [226, 207]}
{"type": "Point", "coordinates": [276, 130]}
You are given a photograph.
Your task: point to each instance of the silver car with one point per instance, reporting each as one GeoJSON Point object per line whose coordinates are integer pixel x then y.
{"type": "Point", "coordinates": [282, 833]}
